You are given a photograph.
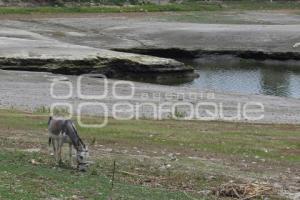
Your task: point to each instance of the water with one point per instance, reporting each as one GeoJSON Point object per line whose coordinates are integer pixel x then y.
{"type": "Point", "coordinates": [229, 74]}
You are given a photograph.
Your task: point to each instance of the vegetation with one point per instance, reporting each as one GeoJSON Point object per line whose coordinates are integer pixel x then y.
{"type": "Point", "coordinates": [21, 179]}
{"type": "Point", "coordinates": [190, 5]}
{"type": "Point", "coordinates": [166, 159]}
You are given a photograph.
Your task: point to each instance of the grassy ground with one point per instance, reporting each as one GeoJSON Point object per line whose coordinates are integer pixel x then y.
{"type": "Point", "coordinates": [230, 17]}
{"type": "Point", "coordinates": [154, 159]}
{"type": "Point", "coordinates": [187, 6]}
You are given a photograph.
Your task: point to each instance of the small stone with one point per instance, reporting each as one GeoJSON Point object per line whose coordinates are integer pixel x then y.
{"type": "Point", "coordinates": [204, 192]}
{"type": "Point", "coordinates": [34, 162]}
{"type": "Point", "coordinates": [172, 157]}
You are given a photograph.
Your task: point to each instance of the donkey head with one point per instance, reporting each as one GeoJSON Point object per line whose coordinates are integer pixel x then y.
{"type": "Point", "coordinates": [82, 159]}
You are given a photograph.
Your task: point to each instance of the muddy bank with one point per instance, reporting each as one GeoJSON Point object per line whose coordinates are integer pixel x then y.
{"type": "Point", "coordinates": [24, 50]}
{"type": "Point", "coordinates": [31, 90]}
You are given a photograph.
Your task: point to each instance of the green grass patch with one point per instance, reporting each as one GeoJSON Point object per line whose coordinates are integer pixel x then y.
{"type": "Point", "coordinates": [20, 179]}
{"type": "Point", "coordinates": [141, 171]}
{"type": "Point", "coordinates": [186, 6]}
{"type": "Point", "coordinates": [239, 139]}
{"type": "Point", "coordinates": [110, 9]}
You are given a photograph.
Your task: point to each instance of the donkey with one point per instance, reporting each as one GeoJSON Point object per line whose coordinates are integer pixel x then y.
{"type": "Point", "coordinates": [63, 131]}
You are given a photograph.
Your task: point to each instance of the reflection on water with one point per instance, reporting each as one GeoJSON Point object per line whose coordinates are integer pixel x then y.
{"type": "Point", "coordinates": [229, 74]}
{"type": "Point", "coordinates": [163, 79]}
{"type": "Point", "coordinates": [275, 82]}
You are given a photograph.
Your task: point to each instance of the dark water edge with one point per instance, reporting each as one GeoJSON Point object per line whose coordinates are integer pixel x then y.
{"type": "Point", "coordinates": [229, 73]}
{"type": "Point", "coordinates": [245, 72]}
{"type": "Point", "coordinates": [175, 79]}
{"type": "Point", "coordinates": [225, 73]}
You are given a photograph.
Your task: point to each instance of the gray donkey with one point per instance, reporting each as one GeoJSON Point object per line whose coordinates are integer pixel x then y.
{"type": "Point", "coordinates": [63, 131]}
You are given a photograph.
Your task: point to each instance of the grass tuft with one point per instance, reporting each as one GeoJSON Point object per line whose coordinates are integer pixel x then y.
{"type": "Point", "coordinates": [175, 7]}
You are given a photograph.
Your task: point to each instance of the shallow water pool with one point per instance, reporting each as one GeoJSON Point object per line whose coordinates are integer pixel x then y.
{"type": "Point", "coordinates": [228, 74]}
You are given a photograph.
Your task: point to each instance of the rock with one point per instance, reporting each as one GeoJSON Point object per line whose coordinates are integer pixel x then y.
{"type": "Point", "coordinates": [211, 178]}
{"type": "Point", "coordinates": [296, 45]}
{"type": "Point", "coordinates": [172, 157]}
{"type": "Point", "coordinates": [34, 162]}
{"type": "Point", "coordinates": [74, 197]}
{"type": "Point", "coordinates": [165, 166]}
{"type": "Point", "coordinates": [176, 39]}
{"type": "Point", "coordinates": [108, 150]}
{"type": "Point", "coordinates": [24, 50]}
{"type": "Point", "coordinates": [204, 192]}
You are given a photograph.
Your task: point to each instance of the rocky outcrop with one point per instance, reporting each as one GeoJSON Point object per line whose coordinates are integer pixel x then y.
{"type": "Point", "coordinates": [24, 50]}
{"type": "Point", "coordinates": [177, 40]}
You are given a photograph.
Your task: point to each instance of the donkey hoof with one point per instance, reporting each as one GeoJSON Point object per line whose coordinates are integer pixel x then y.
{"type": "Point", "coordinates": [60, 163]}
{"type": "Point", "coordinates": [82, 168]}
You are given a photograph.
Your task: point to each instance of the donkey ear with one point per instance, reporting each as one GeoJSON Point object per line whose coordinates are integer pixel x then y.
{"type": "Point", "coordinates": [49, 120]}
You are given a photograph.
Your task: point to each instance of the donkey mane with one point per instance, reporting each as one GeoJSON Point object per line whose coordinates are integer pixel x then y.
{"type": "Point", "coordinates": [70, 130]}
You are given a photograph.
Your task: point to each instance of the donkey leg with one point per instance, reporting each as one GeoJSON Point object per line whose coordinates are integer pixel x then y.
{"type": "Point", "coordinates": [58, 152]}
{"type": "Point", "coordinates": [50, 142]}
{"type": "Point", "coordinates": [70, 154]}
{"type": "Point", "coordinates": [54, 144]}
{"type": "Point", "coordinates": [60, 143]}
